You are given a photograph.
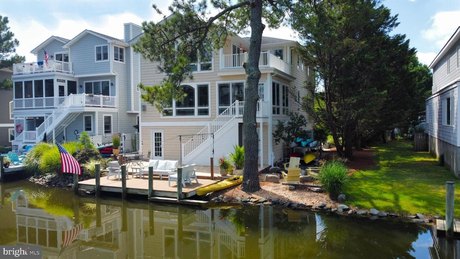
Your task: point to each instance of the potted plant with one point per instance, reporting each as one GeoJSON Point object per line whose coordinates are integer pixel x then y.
{"type": "Point", "coordinates": [115, 144]}
{"type": "Point", "coordinates": [224, 166]}
{"type": "Point", "coordinates": [237, 157]}
{"type": "Point", "coordinates": [6, 162]}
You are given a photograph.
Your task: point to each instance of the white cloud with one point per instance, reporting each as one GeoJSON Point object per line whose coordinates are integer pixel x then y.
{"type": "Point", "coordinates": [426, 57]}
{"type": "Point", "coordinates": [443, 25]}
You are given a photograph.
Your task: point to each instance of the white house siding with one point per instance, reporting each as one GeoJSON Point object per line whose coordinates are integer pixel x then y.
{"type": "Point", "coordinates": [83, 56]}
{"type": "Point", "coordinates": [441, 77]}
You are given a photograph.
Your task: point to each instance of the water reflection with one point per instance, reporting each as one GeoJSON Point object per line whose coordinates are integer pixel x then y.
{"type": "Point", "coordinates": [67, 226]}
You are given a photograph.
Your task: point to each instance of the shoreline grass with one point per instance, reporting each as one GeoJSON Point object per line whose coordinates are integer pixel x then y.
{"type": "Point", "coordinates": [404, 181]}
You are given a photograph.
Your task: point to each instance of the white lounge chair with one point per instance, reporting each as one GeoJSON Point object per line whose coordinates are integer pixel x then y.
{"type": "Point", "coordinates": [188, 174]}
{"type": "Point", "coordinates": [114, 169]}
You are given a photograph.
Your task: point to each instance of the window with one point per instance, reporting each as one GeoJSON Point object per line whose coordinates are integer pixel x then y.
{"type": "Point", "coordinates": [97, 87]}
{"type": "Point", "coordinates": [195, 102]}
{"type": "Point", "coordinates": [88, 123]}
{"type": "Point", "coordinates": [38, 88]}
{"type": "Point", "coordinates": [71, 87]}
{"type": "Point", "coordinates": [118, 54]}
{"type": "Point", "coordinates": [102, 53]}
{"type": "Point", "coordinates": [49, 88]}
{"type": "Point", "coordinates": [229, 93]}
{"type": "Point", "coordinates": [279, 53]}
{"type": "Point", "coordinates": [28, 92]}
{"type": "Point", "coordinates": [107, 124]}
{"type": "Point", "coordinates": [157, 145]}
{"type": "Point", "coordinates": [201, 63]}
{"type": "Point", "coordinates": [447, 111]}
{"type": "Point", "coordinates": [10, 135]}
{"type": "Point", "coordinates": [280, 98]}
{"type": "Point", "coordinates": [63, 57]}
{"type": "Point", "coordinates": [18, 94]}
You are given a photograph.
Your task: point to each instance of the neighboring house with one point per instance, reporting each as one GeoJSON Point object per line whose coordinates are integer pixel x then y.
{"type": "Point", "coordinates": [88, 83]}
{"type": "Point", "coordinates": [442, 107]}
{"type": "Point", "coordinates": [6, 121]}
{"type": "Point", "coordinates": [209, 119]}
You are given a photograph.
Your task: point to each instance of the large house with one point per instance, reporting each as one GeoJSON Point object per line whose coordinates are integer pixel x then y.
{"type": "Point", "coordinates": [88, 83]}
{"type": "Point", "coordinates": [442, 107]}
{"type": "Point", "coordinates": [208, 122]}
{"type": "Point", "coordinates": [6, 120]}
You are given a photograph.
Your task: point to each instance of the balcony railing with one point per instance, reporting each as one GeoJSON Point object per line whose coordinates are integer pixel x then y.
{"type": "Point", "coordinates": [88, 100]}
{"type": "Point", "coordinates": [231, 61]}
{"type": "Point", "coordinates": [42, 67]}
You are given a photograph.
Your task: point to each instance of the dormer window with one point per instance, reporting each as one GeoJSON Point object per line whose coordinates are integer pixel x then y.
{"type": "Point", "coordinates": [118, 54]}
{"type": "Point", "coordinates": [102, 53]}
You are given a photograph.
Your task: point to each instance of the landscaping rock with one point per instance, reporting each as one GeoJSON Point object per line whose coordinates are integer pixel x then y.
{"type": "Point", "coordinates": [273, 178]}
{"type": "Point", "coordinates": [342, 208]}
{"type": "Point", "coordinates": [306, 178]}
{"type": "Point", "coordinates": [322, 205]}
{"type": "Point", "coordinates": [382, 214]}
{"type": "Point", "coordinates": [291, 187]}
{"type": "Point", "coordinates": [316, 189]}
{"type": "Point", "coordinates": [351, 212]}
{"type": "Point", "coordinates": [420, 216]}
{"type": "Point", "coordinates": [374, 212]}
{"type": "Point", "coordinates": [361, 212]}
{"type": "Point", "coordinates": [341, 198]}
{"type": "Point", "coordinates": [274, 170]}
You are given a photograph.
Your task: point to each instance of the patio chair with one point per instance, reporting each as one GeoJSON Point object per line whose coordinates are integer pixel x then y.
{"type": "Point", "coordinates": [114, 169]}
{"type": "Point", "coordinates": [14, 158]}
{"type": "Point", "coordinates": [293, 169]}
{"type": "Point", "coordinates": [188, 173]}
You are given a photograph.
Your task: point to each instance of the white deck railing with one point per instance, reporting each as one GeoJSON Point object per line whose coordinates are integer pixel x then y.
{"type": "Point", "coordinates": [230, 61]}
{"type": "Point", "coordinates": [42, 67]}
{"type": "Point", "coordinates": [89, 100]}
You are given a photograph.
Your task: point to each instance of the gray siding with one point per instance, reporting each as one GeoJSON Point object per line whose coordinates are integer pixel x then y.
{"type": "Point", "coordinates": [441, 77]}
{"type": "Point", "coordinates": [83, 56]}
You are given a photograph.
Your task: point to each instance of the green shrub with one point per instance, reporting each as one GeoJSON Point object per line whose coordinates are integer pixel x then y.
{"type": "Point", "coordinates": [333, 177]}
{"type": "Point", "coordinates": [237, 157]}
{"type": "Point", "coordinates": [45, 158]}
{"type": "Point", "coordinates": [88, 151]}
{"type": "Point", "coordinates": [90, 166]}
{"type": "Point", "coordinates": [32, 159]}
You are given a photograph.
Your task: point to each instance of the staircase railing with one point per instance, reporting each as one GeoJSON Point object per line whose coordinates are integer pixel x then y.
{"type": "Point", "coordinates": [219, 122]}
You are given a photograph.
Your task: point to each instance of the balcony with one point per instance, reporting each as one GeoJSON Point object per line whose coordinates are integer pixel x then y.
{"type": "Point", "coordinates": [267, 60]}
{"type": "Point", "coordinates": [42, 67]}
{"type": "Point", "coordinates": [73, 100]}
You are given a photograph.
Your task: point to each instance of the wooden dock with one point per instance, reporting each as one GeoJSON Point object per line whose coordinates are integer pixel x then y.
{"type": "Point", "coordinates": [441, 228]}
{"type": "Point", "coordinates": [162, 192]}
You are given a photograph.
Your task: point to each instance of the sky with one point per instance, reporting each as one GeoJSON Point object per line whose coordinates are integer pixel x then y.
{"type": "Point", "coordinates": [428, 24]}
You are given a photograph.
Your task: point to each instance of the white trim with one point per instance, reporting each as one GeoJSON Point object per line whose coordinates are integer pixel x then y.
{"type": "Point", "coordinates": [195, 108]}
{"type": "Point", "coordinates": [174, 123]}
{"type": "Point", "coordinates": [103, 124]}
{"type": "Point", "coordinates": [10, 107]}
{"type": "Point", "coordinates": [95, 53]}
{"type": "Point", "coordinates": [92, 122]}
{"type": "Point", "coordinates": [95, 75]}
{"type": "Point", "coordinates": [152, 144]}
{"type": "Point", "coordinates": [62, 52]}
{"type": "Point", "coordinates": [230, 82]}
{"type": "Point", "coordinates": [6, 125]}
{"type": "Point", "coordinates": [9, 135]}
{"type": "Point", "coordinates": [100, 81]}
{"type": "Point", "coordinates": [270, 121]}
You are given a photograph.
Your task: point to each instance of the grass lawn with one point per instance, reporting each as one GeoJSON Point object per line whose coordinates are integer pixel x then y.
{"type": "Point", "coordinates": [403, 181]}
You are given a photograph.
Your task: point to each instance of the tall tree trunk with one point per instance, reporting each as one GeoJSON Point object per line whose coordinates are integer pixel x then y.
{"type": "Point", "coordinates": [251, 139]}
{"type": "Point", "coordinates": [348, 139]}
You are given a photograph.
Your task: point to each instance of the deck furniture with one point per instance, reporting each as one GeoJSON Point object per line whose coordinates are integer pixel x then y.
{"type": "Point", "coordinates": [188, 174]}
{"type": "Point", "coordinates": [160, 167]}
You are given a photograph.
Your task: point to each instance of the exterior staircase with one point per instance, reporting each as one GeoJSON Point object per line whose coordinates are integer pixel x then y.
{"type": "Point", "coordinates": [63, 115]}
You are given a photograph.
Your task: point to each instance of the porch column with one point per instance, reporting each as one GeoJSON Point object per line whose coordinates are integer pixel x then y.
{"type": "Point", "coordinates": [269, 98]}
{"type": "Point", "coordinates": [261, 143]}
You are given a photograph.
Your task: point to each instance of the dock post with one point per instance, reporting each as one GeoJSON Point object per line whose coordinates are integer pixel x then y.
{"type": "Point", "coordinates": [450, 194]}
{"type": "Point", "coordinates": [97, 176]}
{"type": "Point", "coordinates": [212, 167]}
{"type": "Point", "coordinates": [75, 183]}
{"type": "Point", "coordinates": [123, 182]}
{"type": "Point", "coordinates": [150, 194]}
{"type": "Point", "coordinates": [179, 183]}
{"type": "Point", "coordinates": [124, 216]}
{"type": "Point", "coordinates": [151, 221]}
{"type": "Point", "coordinates": [1, 169]}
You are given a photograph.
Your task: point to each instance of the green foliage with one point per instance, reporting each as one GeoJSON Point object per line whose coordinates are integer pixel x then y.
{"type": "Point", "coordinates": [8, 45]}
{"type": "Point", "coordinates": [6, 84]}
{"type": "Point", "coordinates": [224, 163]}
{"type": "Point", "coordinates": [32, 159]}
{"type": "Point", "coordinates": [90, 166]}
{"type": "Point", "coordinates": [403, 181]}
{"type": "Point", "coordinates": [87, 150]}
{"type": "Point", "coordinates": [333, 177]}
{"type": "Point", "coordinates": [45, 158]}
{"type": "Point", "coordinates": [116, 141]}
{"type": "Point", "coordinates": [290, 130]}
{"type": "Point", "coordinates": [237, 157]}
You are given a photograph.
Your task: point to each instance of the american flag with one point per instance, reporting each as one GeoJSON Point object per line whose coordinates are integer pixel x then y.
{"type": "Point", "coordinates": [46, 57]}
{"type": "Point", "coordinates": [68, 163]}
{"type": "Point", "coordinates": [71, 235]}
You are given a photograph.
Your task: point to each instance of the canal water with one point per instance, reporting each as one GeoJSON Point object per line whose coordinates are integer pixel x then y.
{"type": "Point", "coordinates": [60, 225]}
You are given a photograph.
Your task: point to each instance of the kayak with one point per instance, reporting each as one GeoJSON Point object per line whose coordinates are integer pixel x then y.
{"type": "Point", "coordinates": [220, 185]}
{"type": "Point", "coordinates": [308, 158]}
